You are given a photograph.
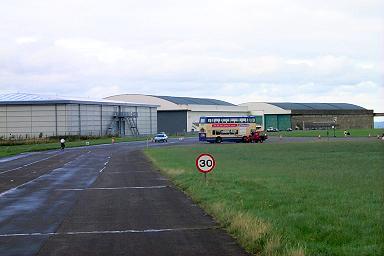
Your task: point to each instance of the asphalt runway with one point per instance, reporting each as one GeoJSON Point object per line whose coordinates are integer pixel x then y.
{"type": "Point", "coordinates": [101, 200]}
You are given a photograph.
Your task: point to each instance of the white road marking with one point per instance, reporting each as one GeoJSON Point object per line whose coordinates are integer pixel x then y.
{"type": "Point", "coordinates": [105, 165]}
{"type": "Point", "coordinates": [13, 189]}
{"type": "Point", "coordinates": [116, 188]}
{"type": "Point", "coordinates": [108, 232]}
{"type": "Point", "coordinates": [127, 172]}
{"type": "Point", "coordinates": [160, 179]}
{"type": "Point", "coordinates": [17, 168]}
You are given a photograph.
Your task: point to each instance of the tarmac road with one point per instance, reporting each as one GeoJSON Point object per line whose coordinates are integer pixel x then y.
{"type": "Point", "coordinates": [100, 200]}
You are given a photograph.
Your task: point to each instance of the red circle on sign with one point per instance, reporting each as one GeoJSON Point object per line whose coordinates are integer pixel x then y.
{"type": "Point", "coordinates": [205, 163]}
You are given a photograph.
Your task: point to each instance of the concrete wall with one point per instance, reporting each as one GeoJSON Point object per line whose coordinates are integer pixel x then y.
{"type": "Point", "coordinates": [264, 108]}
{"type": "Point", "coordinates": [139, 98]}
{"type": "Point", "coordinates": [69, 119]}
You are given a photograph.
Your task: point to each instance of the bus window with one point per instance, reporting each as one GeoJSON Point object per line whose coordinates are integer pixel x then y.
{"type": "Point", "coordinates": [209, 120]}
{"type": "Point", "coordinates": [251, 120]}
{"type": "Point", "coordinates": [234, 119]}
{"type": "Point", "coordinates": [216, 120]}
{"type": "Point", "coordinates": [202, 120]}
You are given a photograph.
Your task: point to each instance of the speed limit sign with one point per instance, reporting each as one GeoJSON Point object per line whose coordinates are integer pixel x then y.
{"type": "Point", "coordinates": [205, 163]}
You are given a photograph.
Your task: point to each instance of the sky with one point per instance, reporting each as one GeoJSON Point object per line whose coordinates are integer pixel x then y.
{"type": "Point", "coordinates": [234, 50]}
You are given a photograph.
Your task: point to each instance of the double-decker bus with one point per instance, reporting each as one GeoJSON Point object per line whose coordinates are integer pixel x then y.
{"type": "Point", "coordinates": [227, 128]}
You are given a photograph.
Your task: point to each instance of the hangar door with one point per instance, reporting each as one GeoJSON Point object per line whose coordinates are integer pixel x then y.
{"type": "Point", "coordinates": [281, 122]}
{"type": "Point", "coordinates": [172, 122]}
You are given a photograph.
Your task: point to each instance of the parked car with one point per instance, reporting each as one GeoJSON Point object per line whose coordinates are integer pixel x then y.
{"type": "Point", "coordinates": [161, 137]}
{"type": "Point", "coordinates": [272, 129]}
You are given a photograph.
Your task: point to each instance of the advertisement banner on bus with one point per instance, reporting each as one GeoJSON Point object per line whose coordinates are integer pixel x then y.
{"type": "Point", "coordinates": [225, 125]}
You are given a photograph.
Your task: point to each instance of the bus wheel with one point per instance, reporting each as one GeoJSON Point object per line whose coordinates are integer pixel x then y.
{"type": "Point", "coordinates": [219, 139]}
{"type": "Point", "coordinates": [245, 139]}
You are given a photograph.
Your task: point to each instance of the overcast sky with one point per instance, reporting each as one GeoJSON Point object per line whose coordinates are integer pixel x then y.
{"type": "Point", "coordinates": [239, 51]}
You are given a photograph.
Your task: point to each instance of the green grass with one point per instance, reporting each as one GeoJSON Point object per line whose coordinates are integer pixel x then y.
{"type": "Point", "coordinates": [17, 149]}
{"type": "Point", "coordinates": [323, 133]}
{"type": "Point", "coordinates": [319, 198]}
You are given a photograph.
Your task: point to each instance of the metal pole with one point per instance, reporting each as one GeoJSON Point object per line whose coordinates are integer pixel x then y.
{"type": "Point", "coordinates": [56, 118]}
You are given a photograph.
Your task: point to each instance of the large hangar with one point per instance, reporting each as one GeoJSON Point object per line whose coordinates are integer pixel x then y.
{"type": "Point", "coordinates": [178, 114]}
{"type": "Point", "coordinates": [31, 115]}
{"type": "Point", "coordinates": [312, 115]}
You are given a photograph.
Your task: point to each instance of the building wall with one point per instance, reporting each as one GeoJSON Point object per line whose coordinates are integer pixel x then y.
{"type": "Point", "coordinates": [362, 121]}
{"type": "Point", "coordinates": [147, 120]}
{"type": "Point", "coordinates": [69, 119]}
{"type": "Point", "coordinates": [147, 99]}
{"type": "Point", "coordinates": [172, 121]}
{"type": "Point", "coordinates": [264, 108]}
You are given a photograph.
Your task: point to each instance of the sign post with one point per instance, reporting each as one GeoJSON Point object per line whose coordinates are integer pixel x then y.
{"type": "Point", "coordinates": [205, 163]}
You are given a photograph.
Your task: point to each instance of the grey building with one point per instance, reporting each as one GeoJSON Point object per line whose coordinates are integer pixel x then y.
{"type": "Point", "coordinates": [180, 114]}
{"type": "Point", "coordinates": [312, 115]}
{"type": "Point", "coordinates": [31, 115]}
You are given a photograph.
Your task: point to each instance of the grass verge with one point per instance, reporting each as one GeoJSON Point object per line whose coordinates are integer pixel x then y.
{"type": "Point", "coordinates": [323, 133]}
{"type": "Point", "coordinates": [17, 149]}
{"type": "Point", "coordinates": [319, 198]}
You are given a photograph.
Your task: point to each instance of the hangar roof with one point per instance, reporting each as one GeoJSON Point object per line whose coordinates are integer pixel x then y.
{"type": "Point", "coordinates": [31, 99]}
{"type": "Point", "coordinates": [316, 106]}
{"type": "Point", "coordinates": [193, 101]}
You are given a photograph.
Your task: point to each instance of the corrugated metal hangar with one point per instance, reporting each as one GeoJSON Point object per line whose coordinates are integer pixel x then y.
{"type": "Point", "coordinates": [312, 115]}
{"type": "Point", "coordinates": [178, 114]}
{"type": "Point", "coordinates": [31, 115]}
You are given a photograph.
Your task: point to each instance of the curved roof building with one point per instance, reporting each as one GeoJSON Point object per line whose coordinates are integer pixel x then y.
{"type": "Point", "coordinates": [24, 115]}
{"type": "Point", "coordinates": [178, 114]}
{"type": "Point", "coordinates": [283, 115]}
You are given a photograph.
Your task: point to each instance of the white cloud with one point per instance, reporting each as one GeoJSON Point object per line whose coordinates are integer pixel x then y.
{"type": "Point", "coordinates": [235, 50]}
{"type": "Point", "coordinates": [26, 40]}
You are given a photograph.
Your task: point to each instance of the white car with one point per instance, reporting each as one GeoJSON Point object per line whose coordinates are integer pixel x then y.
{"type": "Point", "coordinates": [272, 129]}
{"type": "Point", "coordinates": [161, 137]}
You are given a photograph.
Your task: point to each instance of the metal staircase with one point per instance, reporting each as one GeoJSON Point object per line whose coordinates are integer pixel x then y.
{"type": "Point", "coordinates": [120, 121]}
{"type": "Point", "coordinates": [132, 123]}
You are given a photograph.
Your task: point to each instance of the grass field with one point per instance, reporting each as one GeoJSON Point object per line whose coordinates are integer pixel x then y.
{"type": "Point", "coordinates": [323, 133]}
{"type": "Point", "coordinates": [17, 149]}
{"type": "Point", "coordinates": [319, 198]}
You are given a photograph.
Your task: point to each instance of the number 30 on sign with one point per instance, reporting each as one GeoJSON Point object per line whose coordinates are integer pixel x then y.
{"type": "Point", "coordinates": [205, 163]}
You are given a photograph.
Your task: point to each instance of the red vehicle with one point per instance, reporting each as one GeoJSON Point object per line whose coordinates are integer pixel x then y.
{"type": "Point", "coordinates": [256, 137]}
